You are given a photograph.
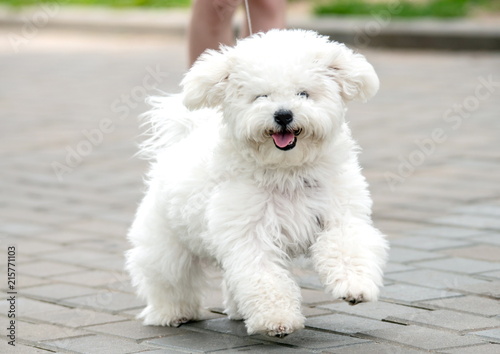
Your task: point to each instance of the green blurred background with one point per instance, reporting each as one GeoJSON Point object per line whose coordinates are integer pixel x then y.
{"type": "Point", "coordinates": [111, 3]}
{"type": "Point", "coordinates": [403, 8]}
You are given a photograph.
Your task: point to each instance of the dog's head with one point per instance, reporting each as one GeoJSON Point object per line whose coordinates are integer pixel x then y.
{"type": "Point", "coordinates": [282, 93]}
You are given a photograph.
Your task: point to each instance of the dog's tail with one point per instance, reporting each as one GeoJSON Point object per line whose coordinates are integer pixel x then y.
{"type": "Point", "coordinates": [167, 123]}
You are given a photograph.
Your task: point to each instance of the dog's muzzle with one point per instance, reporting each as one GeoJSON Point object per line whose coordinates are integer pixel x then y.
{"type": "Point", "coordinates": [285, 138]}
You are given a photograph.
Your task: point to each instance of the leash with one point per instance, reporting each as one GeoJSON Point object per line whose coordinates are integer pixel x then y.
{"type": "Point", "coordinates": [247, 10]}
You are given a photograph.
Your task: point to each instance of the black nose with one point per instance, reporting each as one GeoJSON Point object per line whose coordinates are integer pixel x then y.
{"type": "Point", "coordinates": [283, 117]}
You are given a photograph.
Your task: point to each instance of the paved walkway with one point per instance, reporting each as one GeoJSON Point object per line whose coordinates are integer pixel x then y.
{"type": "Point", "coordinates": [70, 184]}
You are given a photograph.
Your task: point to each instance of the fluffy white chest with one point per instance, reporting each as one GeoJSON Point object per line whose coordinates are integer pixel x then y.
{"type": "Point", "coordinates": [296, 217]}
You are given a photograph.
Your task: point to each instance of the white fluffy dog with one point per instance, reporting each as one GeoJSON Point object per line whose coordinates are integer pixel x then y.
{"type": "Point", "coordinates": [253, 165]}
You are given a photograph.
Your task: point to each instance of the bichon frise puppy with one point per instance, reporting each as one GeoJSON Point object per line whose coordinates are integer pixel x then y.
{"type": "Point", "coordinates": [253, 165]}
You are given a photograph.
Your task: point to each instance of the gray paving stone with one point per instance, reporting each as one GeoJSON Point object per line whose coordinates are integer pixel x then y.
{"type": "Point", "coordinates": [201, 342]}
{"type": "Point", "coordinates": [434, 279]}
{"type": "Point", "coordinates": [97, 226]}
{"type": "Point", "coordinates": [39, 217]}
{"type": "Point", "coordinates": [95, 278]}
{"type": "Point", "coordinates": [392, 267]}
{"type": "Point", "coordinates": [345, 324]}
{"type": "Point", "coordinates": [265, 348]}
{"type": "Point", "coordinates": [27, 349]}
{"type": "Point", "coordinates": [471, 221]}
{"type": "Point", "coordinates": [404, 255]}
{"type": "Point", "coordinates": [57, 291]}
{"type": "Point", "coordinates": [491, 289]}
{"type": "Point", "coordinates": [477, 349]}
{"type": "Point", "coordinates": [460, 265]}
{"type": "Point", "coordinates": [48, 269]}
{"type": "Point", "coordinates": [27, 281]}
{"type": "Point", "coordinates": [423, 338]}
{"type": "Point", "coordinates": [76, 257]}
{"type": "Point", "coordinates": [113, 245]}
{"type": "Point", "coordinates": [472, 304]}
{"type": "Point", "coordinates": [312, 311]}
{"type": "Point", "coordinates": [163, 351]}
{"type": "Point", "coordinates": [135, 330]}
{"type": "Point", "coordinates": [393, 228]}
{"type": "Point", "coordinates": [412, 293]}
{"type": "Point", "coordinates": [132, 314]}
{"type": "Point", "coordinates": [106, 300]}
{"type": "Point", "coordinates": [221, 325]}
{"type": "Point", "coordinates": [375, 348]}
{"type": "Point", "coordinates": [495, 274]}
{"type": "Point", "coordinates": [126, 287]}
{"type": "Point", "coordinates": [447, 319]}
{"type": "Point", "coordinates": [430, 243]}
{"type": "Point", "coordinates": [311, 296]}
{"type": "Point", "coordinates": [23, 229]}
{"type": "Point", "coordinates": [29, 306]}
{"type": "Point", "coordinates": [35, 247]}
{"type": "Point", "coordinates": [36, 332]}
{"type": "Point", "coordinates": [482, 252]}
{"type": "Point", "coordinates": [64, 236]}
{"type": "Point", "coordinates": [97, 344]}
{"type": "Point", "coordinates": [75, 318]}
{"type": "Point", "coordinates": [492, 335]}
{"type": "Point", "coordinates": [312, 339]}
{"type": "Point", "coordinates": [375, 310]}
{"type": "Point", "coordinates": [114, 264]}
{"type": "Point", "coordinates": [479, 209]}
{"type": "Point", "coordinates": [490, 238]}
{"type": "Point", "coordinates": [448, 232]}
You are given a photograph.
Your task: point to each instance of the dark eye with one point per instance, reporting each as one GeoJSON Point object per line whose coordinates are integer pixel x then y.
{"type": "Point", "coordinates": [260, 96]}
{"type": "Point", "coordinates": [303, 94]}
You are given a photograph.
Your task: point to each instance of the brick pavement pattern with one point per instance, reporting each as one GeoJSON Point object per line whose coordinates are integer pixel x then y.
{"type": "Point", "coordinates": [70, 185]}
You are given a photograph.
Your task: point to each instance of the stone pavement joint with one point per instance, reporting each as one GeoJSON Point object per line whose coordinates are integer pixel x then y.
{"type": "Point", "coordinates": [443, 280]}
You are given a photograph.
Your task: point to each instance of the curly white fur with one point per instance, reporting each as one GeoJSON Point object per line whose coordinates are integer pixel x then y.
{"type": "Point", "coordinates": [224, 187]}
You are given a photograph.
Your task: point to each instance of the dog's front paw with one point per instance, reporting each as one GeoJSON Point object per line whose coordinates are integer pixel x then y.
{"type": "Point", "coordinates": [163, 317]}
{"type": "Point", "coordinates": [279, 330]}
{"type": "Point", "coordinates": [274, 327]}
{"type": "Point", "coordinates": [354, 300]}
{"type": "Point", "coordinates": [355, 290]}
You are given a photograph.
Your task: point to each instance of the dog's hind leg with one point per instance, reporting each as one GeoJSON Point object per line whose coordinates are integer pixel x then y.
{"type": "Point", "coordinates": [166, 274]}
{"type": "Point", "coordinates": [172, 290]}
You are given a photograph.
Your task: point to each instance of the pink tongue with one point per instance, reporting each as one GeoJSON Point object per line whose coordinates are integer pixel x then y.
{"type": "Point", "coordinates": [283, 139]}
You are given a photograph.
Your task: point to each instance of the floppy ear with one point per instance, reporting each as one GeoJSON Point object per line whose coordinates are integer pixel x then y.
{"type": "Point", "coordinates": [204, 83]}
{"type": "Point", "coordinates": [356, 77]}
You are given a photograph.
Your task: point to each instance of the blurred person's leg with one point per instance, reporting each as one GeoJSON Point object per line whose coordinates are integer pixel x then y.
{"type": "Point", "coordinates": [265, 15]}
{"type": "Point", "coordinates": [211, 25]}
{"type": "Point", "coordinates": [211, 22]}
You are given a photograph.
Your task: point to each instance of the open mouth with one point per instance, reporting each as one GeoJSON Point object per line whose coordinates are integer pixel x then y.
{"type": "Point", "coordinates": [285, 140]}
